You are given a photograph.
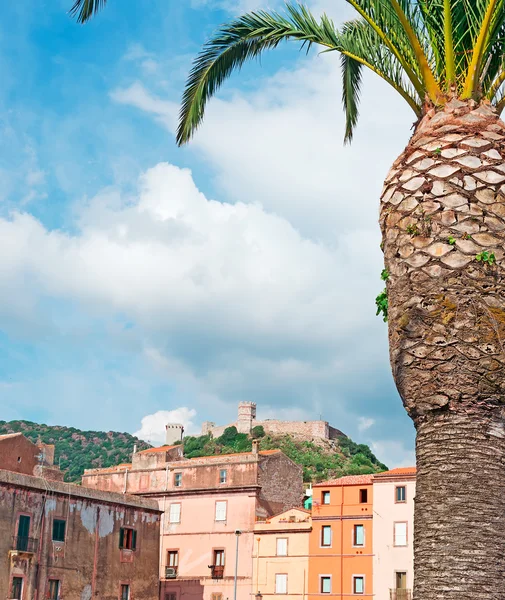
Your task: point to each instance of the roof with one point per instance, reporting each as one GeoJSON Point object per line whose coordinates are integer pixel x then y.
{"type": "Point", "coordinates": [45, 486]}
{"type": "Point", "coordinates": [398, 472]}
{"type": "Point", "coordinates": [347, 480]}
{"type": "Point", "coordinates": [221, 456]}
{"type": "Point", "coordinates": [160, 449]}
{"type": "Point", "coordinates": [11, 435]}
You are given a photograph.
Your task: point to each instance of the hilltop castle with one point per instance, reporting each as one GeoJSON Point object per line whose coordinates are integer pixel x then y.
{"type": "Point", "coordinates": [309, 430]}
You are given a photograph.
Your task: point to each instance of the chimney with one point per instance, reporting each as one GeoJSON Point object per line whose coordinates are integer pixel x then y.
{"type": "Point", "coordinates": [134, 448]}
{"type": "Point", "coordinates": [255, 447]}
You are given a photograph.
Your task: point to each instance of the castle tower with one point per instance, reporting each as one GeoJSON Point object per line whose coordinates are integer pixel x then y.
{"type": "Point", "coordinates": [246, 416]}
{"type": "Point", "coordinates": [174, 433]}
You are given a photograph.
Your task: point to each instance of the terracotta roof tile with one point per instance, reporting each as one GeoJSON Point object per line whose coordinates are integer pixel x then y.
{"type": "Point", "coordinates": [347, 480]}
{"type": "Point", "coordinates": [160, 449]}
{"type": "Point", "coordinates": [220, 456]}
{"type": "Point", "coordinates": [397, 472]}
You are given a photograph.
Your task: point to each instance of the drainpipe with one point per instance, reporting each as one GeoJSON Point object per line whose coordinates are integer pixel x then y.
{"type": "Point", "coordinates": [342, 545]}
{"type": "Point", "coordinates": [39, 549]}
{"type": "Point", "coordinates": [258, 565]}
{"type": "Point", "coordinates": [125, 481]}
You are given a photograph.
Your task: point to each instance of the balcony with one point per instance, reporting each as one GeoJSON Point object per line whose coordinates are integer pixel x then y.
{"type": "Point", "coordinates": [24, 544]}
{"type": "Point", "coordinates": [170, 572]}
{"type": "Point", "coordinates": [217, 571]}
{"type": "Point", "coordinates": [400, 594]}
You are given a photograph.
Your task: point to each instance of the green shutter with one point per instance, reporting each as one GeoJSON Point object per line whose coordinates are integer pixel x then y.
{"type": "Point", "coordinates": [121, 538]}
{"type": "Point", "coordinates": [134, 539]}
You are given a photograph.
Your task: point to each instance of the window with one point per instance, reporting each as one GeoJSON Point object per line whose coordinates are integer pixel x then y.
{"type": "Point", "coordinates": [17, 588]}
{"type": "Point", "coordinates": [23, 537]}
{"type": "Point", "coordinates": [219, 558]}
{"type": "Point", "coordinates": [173, 558]}
{"type": "Point", "coordinates": [53, 592]}
{"type": "Point", "coordinates": [281, 583]}
{"type": "Point", "coordinates": [400, 534]}
{"type": "Point", "coordinates": [358, 584]}
{"type": "Point", "coordinates": [223, 475]}
{"type": "Point", "coordinates": [358, 535]}
{"type": "Point", "coordinates": [216, 596]}
{"type": "Point", "coordinates": [325, 497]}
{"type": "Point", "coordinates": [125, 592]}
{"type": "Point", "coordinates": [127, 538]}
{"type": "Point", "coordinates": [325, 584]}
{"type": "Point", "coordinates": [400, 493]}
{"type": "Point", "coordinates": [363, 496]}
{"type": "Point", "coordinates": [171, 596]}
{"type": "Point", "coordinates": [221, 510]}
{"type": "Point", "coordinates": [178, 479]}
{"type": "Point", "coordinates": [282, 546]}
{"type": "Point", "coordinates": [174, 515]}
{"type": "Point", "coordinates": [59, 526]}
{"type": "Point", "coordinates": [326, 535]}
{"type": "Point", "coordinates": [401, 580]}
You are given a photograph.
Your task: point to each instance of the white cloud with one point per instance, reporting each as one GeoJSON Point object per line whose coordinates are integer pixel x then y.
{"type": "Point", "coordinates": [365, 423]}
{"type": "Point", "coordinates": [393, 453]}
{"type": "Point", "coordinates": [152, 428]}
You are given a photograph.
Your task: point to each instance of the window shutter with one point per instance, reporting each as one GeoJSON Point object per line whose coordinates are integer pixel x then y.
{"type": "Point", "coordinates": [134, 539]}
{"type": "Point", "coordinates": [121, 538]}
{"type": "Point", "coordinates": [175, 513]}
{"type": "Point", "coordinates": [281, 583]}
{"type": "Point", "coordinates": [221, 511]}
{"type": "Point", "coordinates": [282, 547]}
{"type": "Point", "coordinates": [400, 534]}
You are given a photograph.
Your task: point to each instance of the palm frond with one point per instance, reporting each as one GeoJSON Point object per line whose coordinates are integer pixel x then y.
{"type": "Point", "coordinates": [351, 85]}
{"type": "Point", "coordinates": [83, 10]}
{"type": "Point", "coordinates": [234, 44]}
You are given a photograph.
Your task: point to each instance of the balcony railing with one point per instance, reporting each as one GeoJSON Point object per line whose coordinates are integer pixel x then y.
{"type": "Point", "coordinates": [217, 572]}
{"type": "Point", "coordinates": [400, 594]}
{"type": "Point", "coordinates": [170, 572]}
{"type": "Point", "coordinates": [25, 544]}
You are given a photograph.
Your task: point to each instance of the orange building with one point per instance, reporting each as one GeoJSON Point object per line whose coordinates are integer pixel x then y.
{"type": "Point", "coordinates": [341, 555]}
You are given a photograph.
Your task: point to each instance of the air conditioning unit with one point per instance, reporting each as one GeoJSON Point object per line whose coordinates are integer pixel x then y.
{"type": "Point", "coordinates": [170, 572]}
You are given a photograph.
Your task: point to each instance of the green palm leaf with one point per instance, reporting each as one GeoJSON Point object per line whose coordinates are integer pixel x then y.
{"type": "Point", "coordinates": [83, 10]}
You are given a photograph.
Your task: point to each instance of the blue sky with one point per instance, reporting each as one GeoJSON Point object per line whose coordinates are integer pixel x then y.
{"type": "Point", "coordinates": [143, 283]}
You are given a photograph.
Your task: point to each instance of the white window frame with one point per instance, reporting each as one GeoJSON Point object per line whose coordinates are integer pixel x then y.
{"type": "Point", "coordinates": [221, 511]}
{"type": "Point", "coordinates": [172, 512]}
{"type": "Point", "coordinates": [325, 494]}
{"type": "Point", "coordinates": [178, 479]}
{"type": "Point", "coordinates": [354, 577]}
{"type": "Point", "coordinates": [398, 487]}
{"type": "Point", "coordinates": [354, 537]}
{"type": "Point", "coordinates": [323, 529]}
{"type": "Point", "coordinates": [279, 552]}
{"type": "Point", "coordinates": [222, 479]}
{"type": "Point", "coordinates": [284, 577]}
{"type": "Point", "coordinates": [399, 538]}
{"type": "Point", "coordinates": [321, 577]}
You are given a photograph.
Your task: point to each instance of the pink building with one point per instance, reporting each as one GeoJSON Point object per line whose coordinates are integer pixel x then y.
{"type": "Point", "coordinates": [211, 505]}
{"type": "Point", "coordinates": [393, 533]}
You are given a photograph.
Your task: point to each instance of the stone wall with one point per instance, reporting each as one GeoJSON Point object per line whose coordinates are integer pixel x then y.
{"type": "Point", "coordinates": [281, 482]}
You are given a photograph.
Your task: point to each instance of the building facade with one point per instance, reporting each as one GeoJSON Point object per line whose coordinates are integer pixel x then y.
{"type": "Point", "coordinates": [210, 507]}
{"type": "Point", "coordinates": [59, 540]}
{"type": "Point", "coordinates": [341, 541]}
{"type": "Point", "coordinates": [281, 555]}
{"type": "Point", "coordinates": [393, 533]}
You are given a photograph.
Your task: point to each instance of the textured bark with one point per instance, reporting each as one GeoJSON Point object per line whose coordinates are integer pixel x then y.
{"type": "Point", "coordinates": [443, 204]}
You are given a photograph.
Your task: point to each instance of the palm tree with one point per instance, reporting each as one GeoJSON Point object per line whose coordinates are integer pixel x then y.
{"type": "Point", "coordinates": [443, 224]}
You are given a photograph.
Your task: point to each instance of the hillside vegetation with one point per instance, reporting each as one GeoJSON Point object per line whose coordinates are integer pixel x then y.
{"type": "Point", "coordinates": [76, 450]}
{"type": "Point", "coordinates": [326, 460]}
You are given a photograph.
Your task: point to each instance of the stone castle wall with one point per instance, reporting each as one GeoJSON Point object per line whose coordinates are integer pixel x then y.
{"type": "Point", "coordinates": [303, 429]}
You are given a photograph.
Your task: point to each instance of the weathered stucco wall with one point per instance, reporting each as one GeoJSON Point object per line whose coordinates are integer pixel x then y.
{"type": "Point", "coordinates": [89, 563]}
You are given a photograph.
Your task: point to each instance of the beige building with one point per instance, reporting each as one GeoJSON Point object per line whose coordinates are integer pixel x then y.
{"type": "Point", "coordinates": [393, 533]}
{"type": "Point", "coordinates": [281, 555]}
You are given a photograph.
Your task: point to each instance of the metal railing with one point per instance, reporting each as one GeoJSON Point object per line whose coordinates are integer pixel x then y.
{"type": "Point", "coordinates": [400, 594]}
{"type": "Point", "coordinates": [217, 572]}
{"type": "Point", "coordinates": [25, 544]}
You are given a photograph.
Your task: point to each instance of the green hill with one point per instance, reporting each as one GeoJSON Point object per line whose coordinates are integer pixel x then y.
{"type": "Point", "coordinates": [76, 450]}
{"type": "Point", "coordinates": [320, 461]}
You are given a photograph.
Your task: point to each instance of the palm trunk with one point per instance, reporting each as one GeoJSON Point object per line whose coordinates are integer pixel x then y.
{"type": "Point", "coordinates": [443, 224]}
